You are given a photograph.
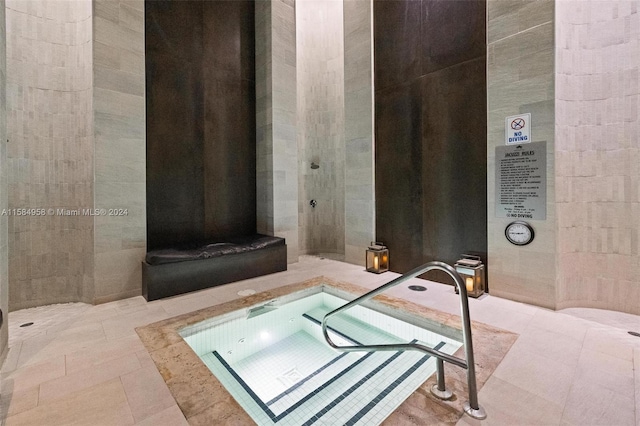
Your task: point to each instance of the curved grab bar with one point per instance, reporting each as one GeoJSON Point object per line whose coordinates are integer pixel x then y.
{"type": "Point", "coordinates": [473, 408]}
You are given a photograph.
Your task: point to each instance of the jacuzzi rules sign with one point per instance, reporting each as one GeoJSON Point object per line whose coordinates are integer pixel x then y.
{"type": "Point", "coordinates": [517, 129]}
{"type": "Point", "coordinates": [521, 181]}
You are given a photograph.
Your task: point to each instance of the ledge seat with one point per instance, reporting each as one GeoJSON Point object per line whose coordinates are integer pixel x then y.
{"type": "Point", "coordinates": [190, 267]}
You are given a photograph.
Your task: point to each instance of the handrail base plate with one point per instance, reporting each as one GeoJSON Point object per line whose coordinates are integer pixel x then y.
{"type": "Point", "coordinates": [478, 413]}
{"type": "Point", "coordinates": [444, 394]}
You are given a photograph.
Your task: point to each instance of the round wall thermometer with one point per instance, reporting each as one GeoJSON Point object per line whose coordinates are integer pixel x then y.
{"type": "Point", "coordinates": [519, 233]}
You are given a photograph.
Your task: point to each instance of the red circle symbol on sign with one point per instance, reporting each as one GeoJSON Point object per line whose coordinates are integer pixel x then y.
{"type": "Point", "coordinates": [517, 124]}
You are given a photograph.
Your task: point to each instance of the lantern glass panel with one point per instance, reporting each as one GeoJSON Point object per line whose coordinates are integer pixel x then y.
{"type": "Point", "coordinates": [473, 279]}
{"type": "Point", "coordinates": [377, 260]}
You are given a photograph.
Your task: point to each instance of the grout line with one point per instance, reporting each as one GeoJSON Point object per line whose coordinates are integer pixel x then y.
{"type": "Point", "coordinates": [636, 385]}
{"type": "Point", "coordinates": [574, 376]}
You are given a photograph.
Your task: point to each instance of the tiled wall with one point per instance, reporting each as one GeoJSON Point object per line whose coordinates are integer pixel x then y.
{"type": "Point", "coordinates": [597, 146]}
{"type": "Point", "coordinates": [50, 150]}
{"type": "Point", "coordinates": [4, 249]}
{"type": "Point", "coordinates": [520, 79]}
{"type": "Point", "coordinates": [320, 125]}
{"type": "Point", "coordinates": [358, 129]}
{"type": "Point", "coordinates": [119, 120]}
{"type": "Point", "coordinates": [277, 149]}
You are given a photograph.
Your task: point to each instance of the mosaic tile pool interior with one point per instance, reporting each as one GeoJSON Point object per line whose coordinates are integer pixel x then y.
{"type": "Point", "coordinates": [273, 360]}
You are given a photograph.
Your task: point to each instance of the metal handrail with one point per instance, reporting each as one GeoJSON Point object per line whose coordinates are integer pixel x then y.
{"type": "Point", "coordinates": [472, 408]}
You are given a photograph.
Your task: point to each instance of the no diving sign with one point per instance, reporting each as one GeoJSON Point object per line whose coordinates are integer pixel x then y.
{"type": "Point", "coordinates": [517, 129]}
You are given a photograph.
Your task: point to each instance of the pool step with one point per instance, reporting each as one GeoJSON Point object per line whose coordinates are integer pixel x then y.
{"type": "Point", "coordinates": [354, 388]}
{"type": "Point", "coordinates": [364, 385]}
{"type": "Point", "coordinates": [363, 388]}
{"type": "Point", "coordinates": [357, 331]}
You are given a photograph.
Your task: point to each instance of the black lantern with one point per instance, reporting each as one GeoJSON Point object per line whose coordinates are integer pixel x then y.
{"type": "Point", "coordinates": [471, 269]}
{"type": "Point", "coordinates": [377, 260]}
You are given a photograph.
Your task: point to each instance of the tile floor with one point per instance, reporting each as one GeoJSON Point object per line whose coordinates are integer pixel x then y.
{"type": "Point", "coordinates": [85, 365]}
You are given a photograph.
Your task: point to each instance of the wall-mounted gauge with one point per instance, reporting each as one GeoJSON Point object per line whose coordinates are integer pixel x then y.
{"type": "Point", "coordinates": [519, 233]}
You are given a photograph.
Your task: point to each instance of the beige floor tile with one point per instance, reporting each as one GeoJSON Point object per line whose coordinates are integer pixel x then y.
{"type": "Point", "coordinates": [615, 374]}
{"type": "Point", "coordinates": [100, 313]}
{"type": "Point", "coordinates": [78, 326]}
{"type": "Point", "coordinates": [636, 365]}
{"type": "Point", "coordinates": [32, 347]}
{"type": "Point", "coordinates": [102, 405]}
{"type": "Point", "coordinates": [131, 305]}
{"type": "Point", "coordinates": [189, 304]}
{"type": "Point", "coordinates": [44, 318]}
{"type": "Point", "coordinates": [590, 404]}
{"type": "Point", "coordinates": [40, 348]}
{"type": "Point", "coordinates": [171, 416]}
{"type": "Point", "coordinates": [611, 341]}
{"type": "Point", "coordinates": [547, 344]}
{"type": "Point", "coordinates": [124, 325]}
{"type": "Point", "coordinates": [614, 319]}
{"type": "Point", "coordinates": [499, 304]}
{"type": "Point", "coordinates": [102, 352]}
{"type": "Point", "coordinates": [11, 361]}
{"type": "Point", "coordinates": [540, 376]}
{"type": "Point", "coordinates": [32, 375]}
{"type": "Point", "coordinates": [509, 405]}
{"type": "Point", "coordinates": [571, 327]}
{"type": "Point", "coordinates": [146, 392]}
{"type": "Point", "coordinates": [507, 319]}
{"type": "Point", "coordinates": [145, 359]}
{"type": "Point", "coordinates": [17, 402]}
{"type": "Point", "coordinates": [529, 411]}
{"type": "Point", "coordinates": [636, 370]}
{"type": "Point", "coordinates": [62, 386]}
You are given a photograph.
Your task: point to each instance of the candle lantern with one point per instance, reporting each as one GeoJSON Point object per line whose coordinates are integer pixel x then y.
{"type": "Point", "coordinates": [377, 259]}
{"type": "Point", "coordinates": [471, 270]}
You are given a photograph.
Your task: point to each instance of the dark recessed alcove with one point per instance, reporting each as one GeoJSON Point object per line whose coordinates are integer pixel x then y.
{"type": "Point", "coordinates": [200, 107]}
{"type": "Point", "coordinates": [430, 130]}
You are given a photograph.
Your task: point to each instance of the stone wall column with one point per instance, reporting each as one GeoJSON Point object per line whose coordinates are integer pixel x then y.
{"type": "Point", "coordinates": [4, 250]}
{"type": "Point", "coordinates": [276, 144]}
{"type": "Point", "coordinates": [120, 147]}
{"type": "Point", "coordinates": [520, 79]}
{"type": "Point", "coordinates": [358, 128]}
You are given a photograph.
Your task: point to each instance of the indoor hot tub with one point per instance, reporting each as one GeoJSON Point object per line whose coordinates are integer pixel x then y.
{"type": "Point", "coordinates": [274, 360]}
{"type": "Point", "coordinates": [264, 359]}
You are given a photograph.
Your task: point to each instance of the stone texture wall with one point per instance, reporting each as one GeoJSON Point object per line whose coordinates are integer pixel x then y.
{"type": "Point", "coordinates": [520, 79]}
{"type": "Point", "coordinates": [4, 249]}
{"type": "Point", "coordinates": [50, 150]}
{"type": "Point", "coordinates": [358, 129]}
{"type": "Point", "coordinates": [119, 120]}
{"type": "Point", "coordinates": [321, 125]}
{"type": "Point", "coordinates": [597, 144]}
{"type": "Point", "coordinates": [277, 149]}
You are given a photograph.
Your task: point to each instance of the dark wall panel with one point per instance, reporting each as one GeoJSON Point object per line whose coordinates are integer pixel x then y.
{"type": "Point", "coordinates": [200, 120]}
{"type": "Point", "coordinates": [229, 48]}
{"type": "Point", "coordinates": [174, 28]}
{"type": "Point", "coordinates": [398, 173]}
{"type": "Point", "coordinates": [454, 162]}
{"type": "Point", "coordinates": [434, 208]}
{"type": "Point", "coordinates": [175, 134]}
{"type": "Point", "coordinates": [452, 32]}
{"type": "Point", "coordinates": [230, 157]}
{"type": "Point", "coordinates": [230, 148]}
{"type": "Point", "coordinates": [398, 48]}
